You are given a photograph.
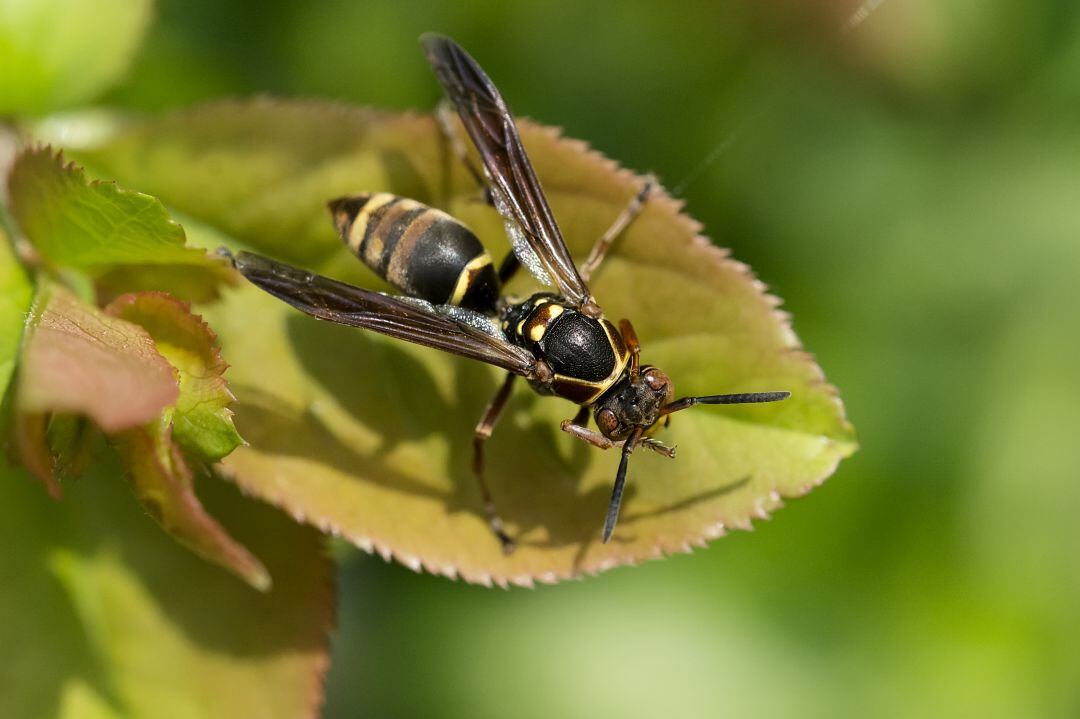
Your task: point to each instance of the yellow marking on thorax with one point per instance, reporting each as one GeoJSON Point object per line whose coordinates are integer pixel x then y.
{"type": "Point", "coordinates": [553, 310]}
{"type": "Point", "coordinates": [542, 318]}
{"type": "Point", "coordinates": [472, 269]}
{"type": "Point", "coordinates": [360, 222]}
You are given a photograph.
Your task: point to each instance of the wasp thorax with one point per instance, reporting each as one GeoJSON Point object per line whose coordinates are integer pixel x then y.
{"type": "Point", "coordinates": [633, 403]}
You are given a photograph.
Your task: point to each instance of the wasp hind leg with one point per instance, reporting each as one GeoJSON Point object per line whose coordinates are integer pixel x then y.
{"type": "Point", "coordinates": [632, 210]}
{"type": "Point", "coordinates": [508, 268]}
{"type": "Point", "coordinates": [482, 433]}
{"type": "Point", "coordinates": [444, 118]}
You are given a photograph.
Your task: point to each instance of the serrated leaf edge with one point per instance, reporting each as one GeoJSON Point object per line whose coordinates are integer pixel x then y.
{"type": "Point", "coordinates": [770, 502]}
{"type": "Point", "coordinates": [78, 173]}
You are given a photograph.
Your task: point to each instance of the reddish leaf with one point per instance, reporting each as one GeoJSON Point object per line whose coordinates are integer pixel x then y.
{"type": "Point", "coordinates": [28, 435]}
{"type": "Point", "coordinates": [76, 359]}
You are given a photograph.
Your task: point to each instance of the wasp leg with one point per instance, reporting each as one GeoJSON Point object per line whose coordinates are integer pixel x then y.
{"type": "Point", "coordinates": [600, 249]}
{"type": "Point", "coordinates": [585, 434]}
{"type": "Point", "coordinates": [444, 118]}
{"type": "Point", "coordinates": [659, 447]}
{"type": "Point", "coordinates": [481, 435]}
{"type": "Point", "coordinates": [630, 338]}
{"type": "Point", "coordinates": [574, 428]}
{"type": "Point", "coordinates": [508, 268]}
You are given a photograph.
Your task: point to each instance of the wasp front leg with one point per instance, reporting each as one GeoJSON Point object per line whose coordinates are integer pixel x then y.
{"type": "Point", "coordinates": [576, 428]}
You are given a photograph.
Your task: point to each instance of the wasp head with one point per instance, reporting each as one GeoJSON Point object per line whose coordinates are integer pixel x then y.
{"type": "Point", "coordinates": [635, 401]}
{"type": "Point", "coordinates": [634, 404]}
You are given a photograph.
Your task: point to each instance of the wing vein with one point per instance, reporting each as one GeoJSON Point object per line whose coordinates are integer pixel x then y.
{"type": "Point", "coordinates": [401, 318]}
{"type": "Point", "coordinates": [491, 127]}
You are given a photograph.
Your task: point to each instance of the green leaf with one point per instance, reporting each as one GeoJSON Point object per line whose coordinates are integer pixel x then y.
{"type": "Point", "coordinates": [57, 53]}
{"type": "Point", "coordinates": [103, 229]}
{"type": "Point", "coordinates": [269, 168]}
{"type": "Point", "coordinates": [102, 615]}
{"type": "Point", "coordinates": [164, 486]}
{"type": "Point", "coordinates": [372, 439]}
{"type": "Point", "coordinates": [202, 421]}
{"type": "Point", "coordinates": [177, 280]}
{"type": "Point", "coordinates": [15, 295]}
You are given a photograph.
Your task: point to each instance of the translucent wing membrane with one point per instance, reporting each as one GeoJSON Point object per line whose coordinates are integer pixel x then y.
{"type": "Point", "coordinates": [517, 193]}
{"type": "Point", "coordinates": [404, 318]}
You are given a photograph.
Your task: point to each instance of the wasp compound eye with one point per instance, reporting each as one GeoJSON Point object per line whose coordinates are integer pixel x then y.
{"type": "Point", "coordinates": [656, 380]}
{"type": "Point", "coordinates": [607, 422]}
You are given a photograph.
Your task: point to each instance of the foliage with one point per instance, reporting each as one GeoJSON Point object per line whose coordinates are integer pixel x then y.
{"type": "Point", "coordinates": [145, 374]}
{"type": "Point", "coordinates": [105, 617]}
{"type": "Point", "coordinates": [115, 325]}
{"type": "Point", "coordinates": [371, 441]}
{"type": "Point", "coordinates": [62, 52]}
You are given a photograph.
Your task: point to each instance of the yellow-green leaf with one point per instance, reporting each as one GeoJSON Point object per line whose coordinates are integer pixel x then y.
{"type": "Point", "coordinates": [104, 230]}
{"type": "Point", "coordinates": [55, 53]}
{"type": "Point", "coordinates": [202, 421]}
{"type": "Point", "coordinates": [372, 439]}
{"type": "Point", "coordinates": [15, 294]}
{"type": "Point", "coordinates": [101, 614]}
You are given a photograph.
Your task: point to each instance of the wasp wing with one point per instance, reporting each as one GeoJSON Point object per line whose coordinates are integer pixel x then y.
{"type": "Point", "coordinates": [515, 190]}
{"type": "Point", "coordinates": [400, 317]}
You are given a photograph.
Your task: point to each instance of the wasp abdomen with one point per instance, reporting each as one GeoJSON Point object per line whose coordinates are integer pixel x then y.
{"type": "Point", "coordinates": [421, 251]}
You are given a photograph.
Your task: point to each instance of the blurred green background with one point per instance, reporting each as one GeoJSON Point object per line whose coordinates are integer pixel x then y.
{"type": "Point", "coordinates": [910, 188]}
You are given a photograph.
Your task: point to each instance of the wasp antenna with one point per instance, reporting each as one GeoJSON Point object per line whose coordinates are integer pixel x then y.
{"type": "Point", "coordinates": [747, 398]}
{"type": "Point", "coordinates": [620, 484]}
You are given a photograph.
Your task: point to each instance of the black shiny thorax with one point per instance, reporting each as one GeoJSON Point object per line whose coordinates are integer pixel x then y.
{"type": "Point", "coordinates": [586, 354]}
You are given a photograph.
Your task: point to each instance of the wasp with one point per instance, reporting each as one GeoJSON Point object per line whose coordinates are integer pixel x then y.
{"type": "Point", "coordinates": [559, 340]}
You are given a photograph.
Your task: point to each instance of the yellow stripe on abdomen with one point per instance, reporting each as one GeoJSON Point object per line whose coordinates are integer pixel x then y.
{"type": "Point", "coordinates": [360, 222]}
